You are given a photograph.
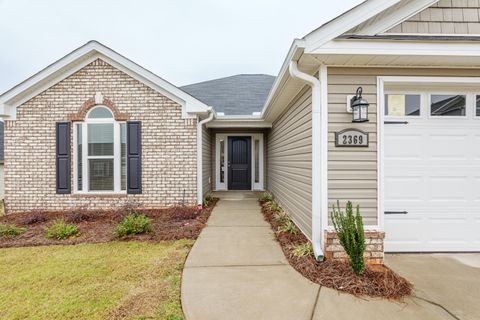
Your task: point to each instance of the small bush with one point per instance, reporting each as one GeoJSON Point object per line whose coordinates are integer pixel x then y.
{"type": "Point", "coordinates": [10, 230]}
{"type": "Point", "coordinates": [302, 250]}
{"type": "Point", "coordinates": [60, 230]}
{"type": "Point", "coordinates": [266, 197]}
{"type": "Point", "coordinates": [289, 227]}
{"type": "Point", "coordinates": [134, 224]}
{"type": "Point", "coordinates": [350, 232]}
{"type": "Point", "coordinates": [33, 218]}
{"type": "Point", "coordinates": [80, 216]}
{"type": "Point", "coordinates": [282, 217]}
{"type": "Point", "coordinates": [207, 199]}
{"type": "Point", "coordinates": [274, 206]}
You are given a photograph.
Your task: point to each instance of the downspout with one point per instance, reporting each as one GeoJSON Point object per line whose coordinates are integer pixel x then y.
{"type": "Point", "coordinates": [317, 158]}
{"type": "Point", "coordinates": [200, 156]}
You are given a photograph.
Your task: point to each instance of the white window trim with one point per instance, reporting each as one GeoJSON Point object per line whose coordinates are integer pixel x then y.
{"type": "Point", "coordinates": [85, 157]}
{"type": "Point", "coordinates": [258, 186]}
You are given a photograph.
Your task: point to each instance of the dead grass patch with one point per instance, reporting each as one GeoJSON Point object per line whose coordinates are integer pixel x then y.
{"type": "Point", "coordinates": [377, 281]}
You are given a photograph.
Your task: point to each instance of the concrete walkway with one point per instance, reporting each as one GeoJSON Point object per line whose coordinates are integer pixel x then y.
{"type": "Point", "coordinates": [236, 270]}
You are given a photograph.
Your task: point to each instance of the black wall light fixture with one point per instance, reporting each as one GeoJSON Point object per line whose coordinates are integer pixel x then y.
{"type": "Point", "coordinates": [359, 107]}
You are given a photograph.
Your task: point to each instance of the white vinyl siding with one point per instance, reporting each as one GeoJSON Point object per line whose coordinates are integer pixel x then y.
{"type": "Point", "coordinates": [289, 166]}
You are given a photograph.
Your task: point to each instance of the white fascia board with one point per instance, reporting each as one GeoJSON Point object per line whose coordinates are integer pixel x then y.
{"type": "Point", "coordinates": [294, 53]}
{"type": "Point", "coordinates": [81, 57]}
{"type": "Point", "coordinates": [239, 123]}
{"type": "Point", "coordinates": [345, 22]}
{"type": "Point", "coordinates": [396, 17]}
{"type": "Point", "coordinates": [400, 48]}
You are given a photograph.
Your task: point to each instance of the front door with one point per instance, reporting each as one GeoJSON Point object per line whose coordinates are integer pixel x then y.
{"type": "Point", "coordinates": [239, 163]}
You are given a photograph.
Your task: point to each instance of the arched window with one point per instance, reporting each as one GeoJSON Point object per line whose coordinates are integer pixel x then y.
{"type": "Point", "coordinates": [100, 152]}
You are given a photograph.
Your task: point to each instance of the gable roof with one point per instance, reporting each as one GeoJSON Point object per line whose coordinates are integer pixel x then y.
{"type": "Point", "coordinates": [81, 57]}
{"type": "Point", "coordinates": [241, 94]}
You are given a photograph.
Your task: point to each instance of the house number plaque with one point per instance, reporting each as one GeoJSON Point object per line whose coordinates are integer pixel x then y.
{"type": "Point", "coordinates": [351, 138]}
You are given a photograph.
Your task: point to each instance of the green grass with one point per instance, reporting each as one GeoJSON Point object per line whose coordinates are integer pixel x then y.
{"type": "Point", "coordinates": [117, 280]}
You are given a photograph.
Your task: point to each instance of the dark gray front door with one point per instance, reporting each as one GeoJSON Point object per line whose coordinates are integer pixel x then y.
{"type": "Point", "coordinates": [239, 163]}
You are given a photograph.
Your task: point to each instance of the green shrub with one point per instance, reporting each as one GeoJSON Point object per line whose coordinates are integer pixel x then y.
{"type": "Point", "coordinates": [349, 228]}
{"type": "Point", "coordinates": [61, 230]}
{"type": "Point", "coordinates": [266, 197]}
{"type": "Point", "coordinates": [289, 227]}
{"type": "Point", "coordinates": [274, 206]}
{"type": "Point", "coordinates": [10, 230]}
{"type": "Point", "coordinates": [134, 224]}
{"type": "Point", "coordinates": [207, 199]}
{"type": "Point", "coordinates": [282, 217]}
{"type": "Point", "coordinates": [302, 250]}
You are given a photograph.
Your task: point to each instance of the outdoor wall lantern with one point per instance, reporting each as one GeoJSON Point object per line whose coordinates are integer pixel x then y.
{"type": "Point", "coordinates": [359, 107]}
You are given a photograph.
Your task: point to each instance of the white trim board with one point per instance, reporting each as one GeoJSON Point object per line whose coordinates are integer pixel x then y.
{"type": "Point", "coordinates": [223, 186]}
{"type": "Point", "coordinates": [83, 56]}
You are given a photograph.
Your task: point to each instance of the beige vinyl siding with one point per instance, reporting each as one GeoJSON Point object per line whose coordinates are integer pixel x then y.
{"type": "Point", "coordinates": [289, 153]}
{"type": "Point", "coordinates": [352, 172]}
{"type": "Point", "coordinates": [444, 17]}
{"type": "Point", "coordinates": [206, 160]}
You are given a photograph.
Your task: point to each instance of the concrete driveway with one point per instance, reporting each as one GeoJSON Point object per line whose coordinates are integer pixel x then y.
{"type": "Point", "coordinates": [451, 281]}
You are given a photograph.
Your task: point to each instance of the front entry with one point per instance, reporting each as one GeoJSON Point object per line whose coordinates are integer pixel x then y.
{"type": "Point", "coordinates": [239, 163]}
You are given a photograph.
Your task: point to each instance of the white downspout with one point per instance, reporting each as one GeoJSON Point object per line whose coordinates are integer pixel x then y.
{"type": "Point", "coordinates": [200, 156]}
{"type": "Point", "coordinates": [317, 158]}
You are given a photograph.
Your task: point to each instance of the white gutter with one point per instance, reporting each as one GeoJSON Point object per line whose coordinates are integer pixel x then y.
{"type": "Point", "coordinates": [318, 158]}
{"type": "Point", "coordinates": [200, 156]}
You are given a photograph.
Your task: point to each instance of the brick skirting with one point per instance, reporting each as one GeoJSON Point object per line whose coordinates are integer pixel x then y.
{"type": "Point", "coordinates": [373, 252]}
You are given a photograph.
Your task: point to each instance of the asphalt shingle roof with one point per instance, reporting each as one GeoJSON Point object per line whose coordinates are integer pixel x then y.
{"type": "Point", "coordinates": [241, 94]}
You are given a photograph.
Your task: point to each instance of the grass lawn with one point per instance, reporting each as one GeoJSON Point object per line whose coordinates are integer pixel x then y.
{"type": "Point", "coordinates": [116, 280]}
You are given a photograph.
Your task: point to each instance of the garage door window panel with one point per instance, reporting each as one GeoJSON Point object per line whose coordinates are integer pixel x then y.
{"type": "Point", "coordinates": [448, 105]}
{"type": "Point", "coordinates": [402, 105]}
{"type": "Point", "coordinates": [477, 105]}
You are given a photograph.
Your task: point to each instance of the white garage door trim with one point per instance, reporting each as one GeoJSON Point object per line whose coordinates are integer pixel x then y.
{"type": "Point", "coordinates": [445, 85]}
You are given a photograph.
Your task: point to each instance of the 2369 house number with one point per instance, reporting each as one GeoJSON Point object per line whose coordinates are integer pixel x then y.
{"type": "Point", "coordinates": [351, 138]}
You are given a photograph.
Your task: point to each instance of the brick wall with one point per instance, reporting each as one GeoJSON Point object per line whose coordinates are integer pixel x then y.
{"type": "Point", "coordinates": [168, 142]}
{"type": "Point", "coordinates": [373, 251]}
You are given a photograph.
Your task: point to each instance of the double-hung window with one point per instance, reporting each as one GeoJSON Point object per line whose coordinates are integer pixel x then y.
{"type": "Point", "coordinates": [100, 153]}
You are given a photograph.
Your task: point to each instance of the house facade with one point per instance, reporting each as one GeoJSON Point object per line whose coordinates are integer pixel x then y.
{"type": "Point", "coordinates": [96, 130]}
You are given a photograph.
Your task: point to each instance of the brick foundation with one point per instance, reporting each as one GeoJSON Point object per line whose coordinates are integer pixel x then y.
{"type": "Point", "coordinates": [373, 251]}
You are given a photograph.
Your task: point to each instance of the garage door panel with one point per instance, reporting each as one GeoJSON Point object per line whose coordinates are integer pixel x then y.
{"type": "Point", "coordinates": [432, 172]}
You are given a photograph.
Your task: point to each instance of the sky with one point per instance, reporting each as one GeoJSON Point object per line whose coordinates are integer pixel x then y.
{"type": "Point", "coordinates": [182, 41]}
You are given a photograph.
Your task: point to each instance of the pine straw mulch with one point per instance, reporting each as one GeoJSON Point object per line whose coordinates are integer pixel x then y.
{"type": "Point", "coordinates": [377, 281]}
{"type": "Point", "coordinates": [96, 226]}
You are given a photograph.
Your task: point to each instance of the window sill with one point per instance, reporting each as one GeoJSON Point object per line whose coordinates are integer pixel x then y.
{"type": "Point", "coordinates": [99, 195]}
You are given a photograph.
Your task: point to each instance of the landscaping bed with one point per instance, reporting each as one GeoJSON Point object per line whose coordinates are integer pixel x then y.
{"type": "Point", "coordinates": [96, 226]}
{"type": "Point", "coordinates": [377, 281]}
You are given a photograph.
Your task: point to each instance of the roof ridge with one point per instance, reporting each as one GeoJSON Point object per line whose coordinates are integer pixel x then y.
{"type": "Point", "coordinates": [227, 77]}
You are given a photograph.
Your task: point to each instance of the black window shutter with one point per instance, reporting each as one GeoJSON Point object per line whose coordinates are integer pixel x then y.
{"type": "Point", "coordinates": [63, 157]}
{"type": "Point", "coordinates": [134, 157]}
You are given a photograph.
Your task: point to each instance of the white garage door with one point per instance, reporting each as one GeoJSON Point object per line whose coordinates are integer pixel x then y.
{"type": "Point", "coordinates": [432, 172]}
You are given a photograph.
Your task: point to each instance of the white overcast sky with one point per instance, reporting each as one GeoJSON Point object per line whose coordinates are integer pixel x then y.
{"type": "Point", "coordinates": [183, 41]}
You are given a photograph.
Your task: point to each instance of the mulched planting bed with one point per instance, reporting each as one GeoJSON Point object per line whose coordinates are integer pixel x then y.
{"type": "Point", "coordinates": [377, 281]}
{"type": "Point", "coordinates": [98, 225]}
